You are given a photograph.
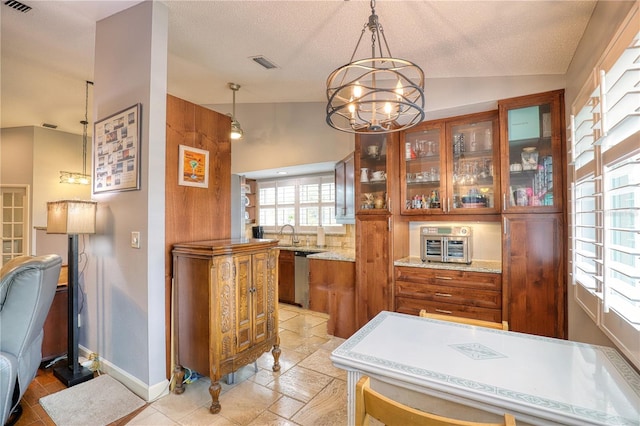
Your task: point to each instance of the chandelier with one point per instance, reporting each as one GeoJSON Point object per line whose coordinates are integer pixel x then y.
{"type": "Point", "coordinates": [236, 129]}
{"type": "Point", "coordinates": [379, 94]}
{"type": "Point", "coordinates": [75, 177]}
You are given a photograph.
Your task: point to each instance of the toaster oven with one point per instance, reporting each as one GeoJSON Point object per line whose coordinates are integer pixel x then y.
{"type": "Point", "coordinates": [446, 244]}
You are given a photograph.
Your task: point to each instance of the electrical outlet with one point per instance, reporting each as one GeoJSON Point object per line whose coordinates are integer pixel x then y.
{"type": "Point", "coordinates": [135, 239]}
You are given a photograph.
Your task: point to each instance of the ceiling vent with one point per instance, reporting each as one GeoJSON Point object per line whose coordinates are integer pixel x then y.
{"type": "Point", "coordinates": [20, 7]}
{"type": "Point", "coordinates": [261, 60]}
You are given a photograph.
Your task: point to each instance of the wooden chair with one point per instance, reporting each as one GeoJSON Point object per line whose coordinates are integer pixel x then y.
{"type": "Point", "coordinates": [499, 326]}
{"type": "Point", "coordinates": [371, 404]}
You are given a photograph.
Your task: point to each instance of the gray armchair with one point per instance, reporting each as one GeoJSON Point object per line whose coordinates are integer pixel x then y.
{"type": "Point", "coordinates": [27, 287]}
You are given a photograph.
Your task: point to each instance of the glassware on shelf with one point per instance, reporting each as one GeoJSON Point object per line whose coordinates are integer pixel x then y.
{"type": "Point", "coordinates": [458, 144]}
{"type": "Point", "coordinates": [488, 139]}
{"type": "Point", "coordinates": [364, 175]}
{"type": "Point", "coordinates": [473, 143]}
{"type": "Point", "coordinates": [529, 157]}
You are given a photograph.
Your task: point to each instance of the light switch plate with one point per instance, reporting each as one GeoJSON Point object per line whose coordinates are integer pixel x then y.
{"type": "Point", "coordinates": [135, 239]}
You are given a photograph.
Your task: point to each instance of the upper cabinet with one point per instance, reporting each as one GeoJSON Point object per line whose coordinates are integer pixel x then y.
{"type": "Point", "coordinates": [423, 169]}
{"type": "Point", "coordinates": [375, 171]}
{"type": "Point", "coordinates": [531, 130]}
{"type": "Point", "coordinates": [448, 166]}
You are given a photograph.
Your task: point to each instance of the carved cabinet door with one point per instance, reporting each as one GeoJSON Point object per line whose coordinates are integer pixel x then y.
{"type": "Point", "coordinates": [244, 320]}
{"type": "Point", "coordinates": [259, 294]}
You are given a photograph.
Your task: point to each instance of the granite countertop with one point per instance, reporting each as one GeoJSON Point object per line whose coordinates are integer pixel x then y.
{"type": "Point", "coordinates": [476, 265]}
{"type": "Point", "coordinates": [324, 253]}
{"type": "Point", "coordinates": [335, 253]}
{"type": "Point", "coordinates": [303, 248]}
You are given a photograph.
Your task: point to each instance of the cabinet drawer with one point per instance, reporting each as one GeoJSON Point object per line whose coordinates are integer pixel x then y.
{"type": "Point", "coordinates": [454, 295]}
{"type": "Point", "coordinates": [450, 278]}
{"type": "Point", "coordinates": [413, 306]}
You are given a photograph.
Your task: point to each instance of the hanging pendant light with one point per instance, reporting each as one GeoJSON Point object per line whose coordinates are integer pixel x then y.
{"type": "Point", "coordinates": [236, 129]}
{"type": "Point", "coordinates": [379, 94]}
{"type": "Point", "coordinates": [74, 177]}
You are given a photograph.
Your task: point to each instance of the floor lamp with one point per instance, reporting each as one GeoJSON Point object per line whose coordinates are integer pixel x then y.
{"type": "Point", "coordinates": [72, 217]}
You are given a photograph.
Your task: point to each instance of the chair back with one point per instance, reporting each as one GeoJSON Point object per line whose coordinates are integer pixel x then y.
{"type": "Point", "coordinates": [371, 404]}
{"type": "Point", "coordinates": [27, 287]}
{"type": "Point", "coordinates": [504, 325]}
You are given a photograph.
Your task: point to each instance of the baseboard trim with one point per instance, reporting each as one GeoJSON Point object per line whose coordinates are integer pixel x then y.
{"type": "Point", "coordinates": [147, 392]}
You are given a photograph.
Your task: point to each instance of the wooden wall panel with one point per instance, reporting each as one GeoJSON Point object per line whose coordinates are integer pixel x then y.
{"type": "Point", "coordinates": [191, 213]}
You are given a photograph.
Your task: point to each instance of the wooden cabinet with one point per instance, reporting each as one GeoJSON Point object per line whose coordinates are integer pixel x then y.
{"type": "Point", "coordinates": [226, 311]}
{"type": "Point", "coordinates": [374, 271]}
{"type": "Point", "coordinates": [381, 235]}
{"type": "Point", "coordinates": [467, 294]}
{"type": "Point", "coordinates": [534, 273]}
{"type": "Point", "coordinates": [534, 236]}
{"type": "Point", "coordinates": [192, 213]}
{"type": "Point", "coordinates": [286, 277]}
{"type": "Point", "coordinates": [450, 166]}
{"type": "Point", "coordinates": [345, 191]}
{"type": "Point", "coordinates": [532, 148]}
{"type": "Point", "coordinates": [332, 291]}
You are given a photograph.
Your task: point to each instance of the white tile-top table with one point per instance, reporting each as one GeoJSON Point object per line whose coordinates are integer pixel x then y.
{"type": "Point", "coordinates": [537, 379]}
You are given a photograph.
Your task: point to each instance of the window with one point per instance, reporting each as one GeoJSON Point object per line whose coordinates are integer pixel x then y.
{"type": "Point", "coordinates": [605, 192]}
{"type": "Point", "coordinates": [305, 202]}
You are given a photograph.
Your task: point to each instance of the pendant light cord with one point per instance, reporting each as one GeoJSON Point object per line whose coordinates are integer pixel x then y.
{"type": "Point", "coordinates": [85, 123]}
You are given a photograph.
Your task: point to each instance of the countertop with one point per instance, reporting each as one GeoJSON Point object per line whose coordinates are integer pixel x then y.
{"type": "Point", "coordinates": [324, 253]}
{"type": "Point", "coordinates": [476, 265]}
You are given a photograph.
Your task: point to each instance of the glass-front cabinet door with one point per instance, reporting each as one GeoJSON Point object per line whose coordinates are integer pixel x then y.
{"type": "Point", "coordinates": [531, 134]}
{"type": "Point", "coordinates": [372, 173]}
{"type": "Point", "coordinates": [450, 166]}
{"type": "Point", "coordinates": [472, 146]}
{"type": "Point", "coordinates": [422, 171]}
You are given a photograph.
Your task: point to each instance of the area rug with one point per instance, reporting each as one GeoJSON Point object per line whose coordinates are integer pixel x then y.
{"type": "Point", "coordinates": [98, 402]}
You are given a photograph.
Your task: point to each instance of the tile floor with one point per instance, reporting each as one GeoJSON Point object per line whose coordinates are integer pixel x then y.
{"type": "Point", "coordinates": [308, 390]}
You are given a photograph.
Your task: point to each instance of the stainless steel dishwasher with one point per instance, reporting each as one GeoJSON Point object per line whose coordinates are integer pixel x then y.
{"type": "Point", "coordinates": [302, 278]}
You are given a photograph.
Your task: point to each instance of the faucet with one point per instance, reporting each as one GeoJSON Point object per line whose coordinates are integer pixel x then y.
{"type": "Point", "coordinates": [294, 237]}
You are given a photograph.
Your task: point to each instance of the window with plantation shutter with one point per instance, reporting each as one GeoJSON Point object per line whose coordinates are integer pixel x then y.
{"type": "Point", "coordinates": [604, 174]}
{"type": "Point", "coordinates": [305, 202]}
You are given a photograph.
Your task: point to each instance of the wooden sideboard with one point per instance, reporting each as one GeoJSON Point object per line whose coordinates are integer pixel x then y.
{"type": "Point", "coordinates": [225, 308]}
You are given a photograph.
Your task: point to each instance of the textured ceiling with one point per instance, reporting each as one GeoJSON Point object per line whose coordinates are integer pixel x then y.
{"type": "Point", "coordinates": [47, 53]}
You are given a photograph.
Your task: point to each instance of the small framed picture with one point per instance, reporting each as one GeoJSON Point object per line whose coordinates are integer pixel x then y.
{"type": "Point", "coordinates": [193, 167]}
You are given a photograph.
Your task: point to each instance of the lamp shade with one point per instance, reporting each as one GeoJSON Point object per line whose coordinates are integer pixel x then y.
{"type": "Point", "coordinates": [71, 217]}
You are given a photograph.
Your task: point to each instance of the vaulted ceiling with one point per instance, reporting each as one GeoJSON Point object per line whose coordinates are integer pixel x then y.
{"type": "Point", "coordinates": [47, 53]}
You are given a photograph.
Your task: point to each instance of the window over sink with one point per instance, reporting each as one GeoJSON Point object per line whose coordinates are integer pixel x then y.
{"type": "Point", "coordinates": [306, 202]}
